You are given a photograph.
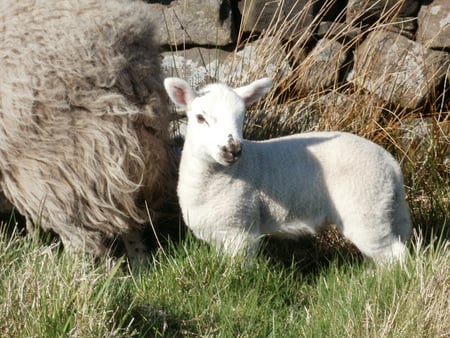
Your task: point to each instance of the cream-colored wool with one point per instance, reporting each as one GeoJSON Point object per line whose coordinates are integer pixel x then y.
{"type": "Point", "coordinates": [83, 117]}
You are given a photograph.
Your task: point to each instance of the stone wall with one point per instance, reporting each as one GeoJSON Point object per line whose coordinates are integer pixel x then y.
{"type": "Point", "coordinates": [403, 59]}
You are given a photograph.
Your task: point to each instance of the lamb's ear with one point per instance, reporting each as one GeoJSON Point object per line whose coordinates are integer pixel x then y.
{"type": "Point", "coordinates": [179, 91]}
{"type": "Point", "coordinates": [254, 90]}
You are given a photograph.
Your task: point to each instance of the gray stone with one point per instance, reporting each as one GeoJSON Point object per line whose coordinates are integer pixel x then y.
{"type": "Point", "coordinates": [335, 108]}
{"type": "Point", "coordinates": [191, 22]}
{"type": "Point", "coordinates": [264, 57]}
{"type": "Point", "coordinates": [398, 70]}
{"type": "Point", "coordinates": [198, 66]}
{"type": "Point", "coordinates": [407, 26]}
{"type": "Point", "coordinates": [259, 16]}
{"type": "Point", "coordinates": [279, 120]}
{"type": "Point", "coordinates": [337, 30]}
{"type": "Point", "coordinates": [351, 111]}
{"type": "Point", "coordinates": [434, 24]}
{"type": "Point", "coordinates": [416, 131]}
{"type": "Point", "coordinates": [370, 11]}
{"type": "Point", "coordinates": [323, 65]}
{"type": "Point", "coordinates": [422, 133]}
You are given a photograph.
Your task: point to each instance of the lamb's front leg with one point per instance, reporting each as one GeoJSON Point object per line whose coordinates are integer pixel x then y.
{"type": "Point", "coordinates": [237, 241]}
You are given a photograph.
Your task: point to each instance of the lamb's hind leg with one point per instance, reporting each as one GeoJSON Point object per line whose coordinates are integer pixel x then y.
{"type": "Point", "coordinates": [236, 241]}
{"type": "Point", "coordinates": [377, 240]}
{"type": "Point", "coordinates": [401, 232]}
{"type": "Point", "coordinates": [401, 218]}
{"type": "Point", "coordinates": [379, 227]}
{"type": "Point", "coordinates": [398, 228]}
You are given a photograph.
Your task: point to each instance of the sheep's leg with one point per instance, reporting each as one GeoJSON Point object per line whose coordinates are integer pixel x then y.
{"type": "Point", "coordinates": [392, 250]}
{"type": "Point", "coordinates": [401, 218]}
{"type": "Point", "coordinates": [78, 239]}
{"type": "Point", "coordinates": [375, 240]}
{"type": "Point", "coordinates": [380, 226]}
{"type": "Point", "coordinates": [237, 241]}
{"type": "Point", "coordinates": [395, 248]}
{"type": "Point", "coordinates": [137, 251]}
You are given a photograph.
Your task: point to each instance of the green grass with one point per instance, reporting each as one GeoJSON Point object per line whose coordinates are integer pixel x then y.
{"type": "Point", "coordinates": [189, 290]}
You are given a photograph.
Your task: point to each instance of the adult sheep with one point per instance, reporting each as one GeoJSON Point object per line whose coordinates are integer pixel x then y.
{"type": "Point", "coordinates": [232, 191]}
{"type": "Point", "coordinates": [83, 119]}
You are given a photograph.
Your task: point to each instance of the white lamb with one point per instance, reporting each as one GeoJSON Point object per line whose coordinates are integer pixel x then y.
{"type": "Point", "coordinates": [232, 191]}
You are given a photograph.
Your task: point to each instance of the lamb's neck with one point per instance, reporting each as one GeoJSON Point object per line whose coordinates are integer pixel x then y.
{"type": "Point", "coordinates": [203, 171]}
{"type": "Point", "coordinates": [194, 165]}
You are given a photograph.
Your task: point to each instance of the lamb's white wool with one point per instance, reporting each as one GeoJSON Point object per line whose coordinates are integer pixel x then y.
{"type": "Point", "coordinates": [232, 191]}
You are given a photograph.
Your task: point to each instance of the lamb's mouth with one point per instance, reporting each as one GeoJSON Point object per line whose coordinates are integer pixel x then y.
{"type": "Point", "coordinates": [231, 155]}
{"type": "Point", "coordinates": [232, 158]}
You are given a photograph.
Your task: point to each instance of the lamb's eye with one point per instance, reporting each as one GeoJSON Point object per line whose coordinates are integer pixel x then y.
{"type": "Point", "coordinates": [201, 119]}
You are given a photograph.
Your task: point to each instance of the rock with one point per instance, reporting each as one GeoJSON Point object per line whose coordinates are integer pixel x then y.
{"type": "Point", "coordinates": [198, 66]}
{"type": "Point", "coordinates": [434, 25]}
{"type": "Point", "coordinates": [406, 26]}
{"type": "Point", "coordinates": [369, 11]}
{"type": "Point", "coordinates": [275, 121]}
{"type": "Point", "coordinates": [398, 70]}
{"type": "Point", "coordinates": [191, 22]}
{"type": "Point", "coordinates": [336, 109]}
{"type": "Point", "coordinates": [264, 57]}
{"type": "Point", "coordinates": [415, 131]}
{"type": "Point", "coordinates": [259, 16]}
{"type": "Point", "coordinates": [337, 30]}
{"type": "Point", "coordinates": [356, 112]}
{"type": "Point", "coordinates": [323, 65]}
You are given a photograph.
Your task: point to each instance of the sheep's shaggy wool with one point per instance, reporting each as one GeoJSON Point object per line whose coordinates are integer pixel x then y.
{"type": "Point", "coordinates": [83, 117]}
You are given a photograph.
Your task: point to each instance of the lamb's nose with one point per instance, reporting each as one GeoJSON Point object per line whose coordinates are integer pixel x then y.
{"type": "Point", "coordinates": [234, 146]}
{"type": "Point", "coordinates": [232, 151]}
{"type": "Point", "coordinates": [236, 150]}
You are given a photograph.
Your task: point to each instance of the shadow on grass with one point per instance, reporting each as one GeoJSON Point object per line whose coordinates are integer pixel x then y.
{"type": "Point", "coordinates": [169, 229]}
{"type": "Point", "coordinates": [309, 254]}
{"type": "Point", "coordinates": [12, 223]}
{"type": "Point", "coordinates": [149, 321]}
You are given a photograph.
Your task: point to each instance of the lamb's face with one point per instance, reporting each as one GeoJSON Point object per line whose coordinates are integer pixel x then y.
{"type": "Point", "coordinates": [216, 118]}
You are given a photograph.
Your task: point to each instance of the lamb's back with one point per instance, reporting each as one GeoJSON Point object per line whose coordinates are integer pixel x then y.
{"type": "Point", "coordinates": [317, 166]}
{"type": "Point", "coordinates": [331, 153]}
